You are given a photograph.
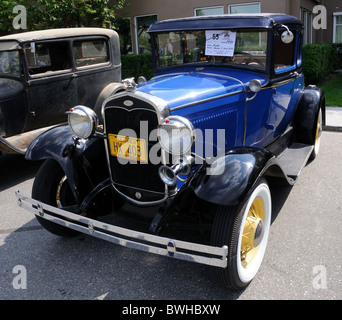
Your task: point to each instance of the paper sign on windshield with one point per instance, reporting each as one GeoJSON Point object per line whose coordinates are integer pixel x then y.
{"type": "Point", "coordinates": [220, 43]}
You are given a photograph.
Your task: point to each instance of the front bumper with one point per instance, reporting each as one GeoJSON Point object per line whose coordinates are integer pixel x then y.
{"type": "Point", "coordinates": [203, 254]}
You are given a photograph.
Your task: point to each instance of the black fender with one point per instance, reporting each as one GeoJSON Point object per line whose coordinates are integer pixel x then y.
{"type": "Point", "coordinates": [306, 115]}
{"type": "Point", "coordinates": [83, 161]}
{"type": "Point", "coordinates": [228, 180]}
{"type": "Point", "coordinates": [108, 91]}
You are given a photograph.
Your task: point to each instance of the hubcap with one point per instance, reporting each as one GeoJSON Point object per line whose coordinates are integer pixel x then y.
{"type": "Point", "coordinates": [253, 232]}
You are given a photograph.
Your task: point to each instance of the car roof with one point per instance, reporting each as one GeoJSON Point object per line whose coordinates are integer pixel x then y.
{"type": "Point", "coordinates": [259, 20]}
{"type": "Point", "coordinates": [57, 33]}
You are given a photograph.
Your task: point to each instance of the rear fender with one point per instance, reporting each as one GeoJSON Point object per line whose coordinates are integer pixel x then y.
{"type": "Point", "coordinates": [228, 179]}
{"type": "Point", "coordinates": [83, 161]}
{"type": "Point", "coordinates": [307, 112]}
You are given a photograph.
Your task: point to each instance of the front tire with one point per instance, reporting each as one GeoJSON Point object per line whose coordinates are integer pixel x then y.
{"type": "Point", "coordinates": [244, 229]}
{"type": "Point", "coordinates": [51, 187]}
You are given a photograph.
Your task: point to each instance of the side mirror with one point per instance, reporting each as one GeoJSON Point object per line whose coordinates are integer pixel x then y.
{"type": "Point", "coordinates": [287, 35]}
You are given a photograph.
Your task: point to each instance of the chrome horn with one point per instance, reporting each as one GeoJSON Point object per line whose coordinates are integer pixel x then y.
{"type": "Point", "coordinates": [182, 166]}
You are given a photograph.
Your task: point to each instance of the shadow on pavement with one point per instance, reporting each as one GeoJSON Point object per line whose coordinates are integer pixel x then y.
{"type": "Point", "coordinates": [15, 169]}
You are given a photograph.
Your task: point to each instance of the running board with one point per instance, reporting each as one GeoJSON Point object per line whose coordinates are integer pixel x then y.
{"type": "Point", "coordinates": [18, 144]}
{"type": "Point", "coordinates": [294, 159]}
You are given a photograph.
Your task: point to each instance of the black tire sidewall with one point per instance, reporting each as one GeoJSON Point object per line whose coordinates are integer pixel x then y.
{"type": "Point", "coordinates": [45, 189]}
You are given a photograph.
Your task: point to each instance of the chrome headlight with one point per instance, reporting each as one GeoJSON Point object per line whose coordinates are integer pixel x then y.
{"type": "Point", "coordinates": [82, 121]}
{"type": "Point", "coordinates": [176, 135]}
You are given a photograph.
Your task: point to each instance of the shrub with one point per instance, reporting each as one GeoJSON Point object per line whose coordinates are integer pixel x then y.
{"type": "Point", "coordinates": [319, 60]}
{"type": "Point", "coordinates": [136, 65]}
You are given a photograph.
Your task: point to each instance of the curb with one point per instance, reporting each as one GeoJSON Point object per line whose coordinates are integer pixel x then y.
{"type": "Point", "coordinates": [332, 129]}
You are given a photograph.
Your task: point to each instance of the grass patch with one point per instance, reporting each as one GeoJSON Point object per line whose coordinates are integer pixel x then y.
{"type": "Point", "coordinates": [333, 90]}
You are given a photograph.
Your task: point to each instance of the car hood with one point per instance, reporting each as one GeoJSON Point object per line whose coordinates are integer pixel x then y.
{"type": "Point", "coordinates": [189, 87]}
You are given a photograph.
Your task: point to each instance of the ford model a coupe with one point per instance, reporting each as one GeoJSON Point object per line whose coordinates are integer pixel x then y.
{"type": "Point", "coordinates": [197, 146]}
{"type": "Point", "coordinates": [43, 73]}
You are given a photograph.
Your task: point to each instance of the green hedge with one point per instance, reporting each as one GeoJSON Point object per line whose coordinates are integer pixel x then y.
{"type": "Point", "coordinates": [136, 65]}
{"type": "Point", "coordinates": [319, 60]}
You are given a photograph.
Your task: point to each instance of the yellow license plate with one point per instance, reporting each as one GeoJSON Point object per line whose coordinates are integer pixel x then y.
{"type": "Point", "coordinates": [128, 147]}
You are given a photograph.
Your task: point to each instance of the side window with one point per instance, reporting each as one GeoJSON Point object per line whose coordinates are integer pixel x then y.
{"type": "Point", "coordinates": [47, 57]}
{"type": "Point", "coordinates": [284, 54]}
{"type": "Point", "coordinates": [90, 52]}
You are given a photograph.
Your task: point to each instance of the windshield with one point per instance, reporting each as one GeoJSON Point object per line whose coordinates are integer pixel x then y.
{"type": "Point", "coordinates": [245, 48]}
{"type": "Point", "coordinates": [9, 64]}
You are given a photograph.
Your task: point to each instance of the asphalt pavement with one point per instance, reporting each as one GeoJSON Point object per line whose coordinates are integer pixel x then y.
{"type": "Point", "coordinates": [302, 261]}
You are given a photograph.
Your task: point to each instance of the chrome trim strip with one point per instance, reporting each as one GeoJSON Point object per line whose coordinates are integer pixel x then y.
{"type": "Point", "coordinates": [127, 237]}
{"type": "Point", "coordinates": [207, 100]}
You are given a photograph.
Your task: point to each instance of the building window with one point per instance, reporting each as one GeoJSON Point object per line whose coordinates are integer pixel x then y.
{"type": "Point", "coordinates": [123, 28]}
{"type": "Point", "coordinates": [337, 32]}
{"type": "Point", "coordinates": [208, 11]}
{"type": "Point", "coordinates": [306, 17]}
{"type": "Point", "coordinates": [142, 23]}
{"type": "Point", "coordinates": [253, 7]}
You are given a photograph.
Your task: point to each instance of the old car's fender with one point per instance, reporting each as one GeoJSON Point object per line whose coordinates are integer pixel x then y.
{"type": "Point", "coordinates": [83, 161]}
{"type": "Point", "coordinates": [109, 90]}
{"type": "Point", "coordinates": [306, 115]}
{"type": "Point", "coordinates": [229, 178]}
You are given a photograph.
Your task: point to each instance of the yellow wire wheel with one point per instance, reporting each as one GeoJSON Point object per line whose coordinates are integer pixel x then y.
{"type": "Point", "coordinates": [253, 230]}
{"type": "Point", "coordinates": [318, 132]}
{"type": "Point", "coordinates": [245, 231]}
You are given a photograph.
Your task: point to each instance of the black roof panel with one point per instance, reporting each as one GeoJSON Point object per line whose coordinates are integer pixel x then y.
{"type": "Point", "coordinates": [228, 21]}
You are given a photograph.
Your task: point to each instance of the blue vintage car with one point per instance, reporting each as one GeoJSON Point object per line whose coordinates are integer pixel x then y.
{"type": "Point", "coordinates": [182, 165]}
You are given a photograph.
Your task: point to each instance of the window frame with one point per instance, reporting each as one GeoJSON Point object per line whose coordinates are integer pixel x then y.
{"type": "Point", "coordinates": [306, 17]}
{"type": "Point", "coordinates": [211, 7]}
{"type": "Point", "coordinates": [136, 29]}
{"type": "Point", "coordinates": [269, 34]}
{"type": "Point", "coordinates": [95, 65]}
{"type": "Point", "coordinates": [52, 72]}
{"type": "Point", "coordinates": [296, 62]}
{"type": "Point", "coordinates": [335, 15]}
{"type": "Point", "coordinates": [244, 4]}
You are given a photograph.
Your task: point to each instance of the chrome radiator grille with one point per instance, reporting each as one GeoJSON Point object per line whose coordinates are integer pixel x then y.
{"type": "Point", "coordinates": [129, 114]}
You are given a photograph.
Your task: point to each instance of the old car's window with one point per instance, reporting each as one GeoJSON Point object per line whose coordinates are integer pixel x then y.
{"type": "Point", "coordinates": [90, 52]}
{"type": "Point", "coordinates": [9, 64]}
{"type": "Point", "coordinates": [244, 48]}
{"type": "Point", "coordinates": [284, 54]}
{"type": "Point", "coordinates": [47, 57]}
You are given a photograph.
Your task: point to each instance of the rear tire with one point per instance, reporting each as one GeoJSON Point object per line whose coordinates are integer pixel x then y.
{"type": "Point", "coordinates": [318, 134]}
{"type": "Point", "coordinates": [244, 229]}
{"type": "Point", "coordinates": [51, 187]}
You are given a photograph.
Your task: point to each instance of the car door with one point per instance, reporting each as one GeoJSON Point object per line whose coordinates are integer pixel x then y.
{"type": "Point", "coordinates": [52, 87]}
{"type": "Point", "coordinates": [286, 80]}
{"type": "Point", "coordinates": [271, 111]}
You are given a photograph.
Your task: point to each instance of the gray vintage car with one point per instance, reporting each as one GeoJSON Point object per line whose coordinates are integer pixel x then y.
{"type": "Point", "coordinates": [44, 73]}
